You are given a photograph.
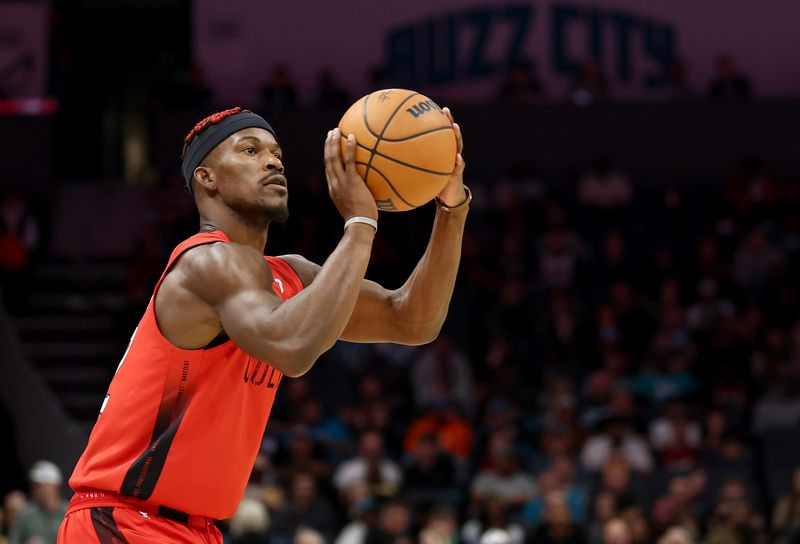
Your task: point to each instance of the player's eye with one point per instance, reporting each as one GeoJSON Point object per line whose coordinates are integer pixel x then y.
{"type": "Point", "coordinates": [278, 156]}
{"type": "Point", "coordinates": [250, 150]}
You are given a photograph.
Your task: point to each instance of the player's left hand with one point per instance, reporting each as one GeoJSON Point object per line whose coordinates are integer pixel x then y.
{"type": "Point", "coordinates": [453, 193]}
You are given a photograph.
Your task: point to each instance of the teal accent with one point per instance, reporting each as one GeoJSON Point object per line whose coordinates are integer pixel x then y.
{"type": "Point", "coordinates": [401, 54]}
{"type": "Point", "coordinates": [521, 17]}
{"type": "Point", "coordinates": [560, 18]}
{"type": "Point", "coordinates": [478, 65]}
{"type": "Point", "coordinates": [623, 24]}
{"type": "Point", "coordinates": [441, 45]}
{"type": "Point", "coordinates": [659, 46]}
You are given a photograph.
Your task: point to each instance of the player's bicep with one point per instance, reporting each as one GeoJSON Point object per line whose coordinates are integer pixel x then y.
{"type": "Point", "coordinates": [245, 315]}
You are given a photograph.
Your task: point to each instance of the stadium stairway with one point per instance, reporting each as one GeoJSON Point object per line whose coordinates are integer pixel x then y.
{"type": "Point", "coordinates": [69, 329]}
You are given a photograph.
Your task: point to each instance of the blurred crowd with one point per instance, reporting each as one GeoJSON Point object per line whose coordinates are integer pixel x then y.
{"type": "Point", "coordinates": [621, 365]}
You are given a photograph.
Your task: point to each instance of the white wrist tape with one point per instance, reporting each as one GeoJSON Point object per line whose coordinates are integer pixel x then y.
{"type": "Point", "coordinates": [360, 219]}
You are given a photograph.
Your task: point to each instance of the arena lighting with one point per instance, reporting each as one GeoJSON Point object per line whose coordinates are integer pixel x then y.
{"type": "Point", "coordinates": [28, 106]}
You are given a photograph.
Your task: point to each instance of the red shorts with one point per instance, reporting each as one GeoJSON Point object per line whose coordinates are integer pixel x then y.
{"type": "Point", "coordinates": [107, 518]}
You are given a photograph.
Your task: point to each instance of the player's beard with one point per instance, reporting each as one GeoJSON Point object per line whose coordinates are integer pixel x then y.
{"type": "Point", "coordinates": [260, 212]}
{"type": "Point", "coordinates": [276, 213]}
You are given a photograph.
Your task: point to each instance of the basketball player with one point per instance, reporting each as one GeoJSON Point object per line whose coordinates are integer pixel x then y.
{"type": "Point", "coordinates": [184, 416]}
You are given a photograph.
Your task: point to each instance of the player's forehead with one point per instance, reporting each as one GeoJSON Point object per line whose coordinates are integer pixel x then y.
{"type": "Point", "coordinates": [253, 134]}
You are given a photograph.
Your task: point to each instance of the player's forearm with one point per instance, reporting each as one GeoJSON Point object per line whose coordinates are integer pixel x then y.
{"type": "Point", "coordinates": [421, 303]}
{"type": "Point", "coordinates": [313, 320]}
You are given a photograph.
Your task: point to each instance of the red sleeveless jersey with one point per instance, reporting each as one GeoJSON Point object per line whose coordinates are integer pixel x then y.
{"type": "Point", "coordinates": [182, 428]}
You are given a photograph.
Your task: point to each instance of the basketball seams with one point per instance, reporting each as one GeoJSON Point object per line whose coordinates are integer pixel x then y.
{"type": "Point", "coordinates": [366, 121]}
{"type": "Point", "coordinates": [389, 183]}
{"type": "Point", "coordinates": [369, 162]}
{"type": "Point", "coordinates": [383, 131]}
{"type": "Point", "coordinates": [421, 169]}
{"type": "Point", "coordinates": [405, 139]}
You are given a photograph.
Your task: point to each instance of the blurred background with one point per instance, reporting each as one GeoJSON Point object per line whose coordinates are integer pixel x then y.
{"type": "Point", "coordinates": [621, 362]}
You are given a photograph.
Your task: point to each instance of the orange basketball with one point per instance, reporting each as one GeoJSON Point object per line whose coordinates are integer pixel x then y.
{"type": "Point", "coordinates": [406, 147]}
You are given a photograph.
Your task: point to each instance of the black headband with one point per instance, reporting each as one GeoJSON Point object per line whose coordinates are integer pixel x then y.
{"type": "Point", "coordinates": [202, 144]}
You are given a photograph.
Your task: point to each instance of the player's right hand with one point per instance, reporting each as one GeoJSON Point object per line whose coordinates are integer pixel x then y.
{"type": "Point", "coordinates": [346, 188]}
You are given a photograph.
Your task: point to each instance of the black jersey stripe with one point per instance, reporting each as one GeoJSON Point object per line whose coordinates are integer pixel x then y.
{"type": "Point", "coordinates": [142, 476]}
{"type": "Point", "coordinates": [105, 527]}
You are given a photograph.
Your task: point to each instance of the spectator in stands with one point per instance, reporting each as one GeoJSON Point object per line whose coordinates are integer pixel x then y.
{"type": "Point", "coordinates": [19, 240]}
{"type": "Point", "coordinates": [429, 470]}
{"type": "Point", "coordinates": [14, 503]}
{"type": "Point", "coordinates": [558, 525]}
{"type": "Point", "coordinates": [503, 480]}
{"type": "Point", "coordinates": [604, 188]}
{"type": "Point", "coordinates": [19, 221]}
{"type": "Point", "coordinates": [305, 508]}
{"type": "Point", "coordinates": [443, 370]}
{"type": "Point", "coordinates": [395, 524]}
{"type": "Point", "coordinates": [673, 338]}
{"type": "Point", "coordinates": [301, 457]}
{"type": "Point", "coordinates": [614, 263]}
{"type": "Point", "coordinates": [670, 508]}
{"type": "Point", "coordinates": [279, 93]}
{"type": "Point", "coordinates": [550, 487]}
{"type": "Point", "coordinates": [362, 511]}
{"type": "Point", "coordinates": [371, 466]}
{"type": "Point", "coordinates": [786, 516]}
{"type": "Point", "coordinates": [734, 522]}
{"type": "Point", "coordinates": [42, 516]}
{"type": "Point", "coordinates": [559, 257]}
{"type": "Point", "coordinates": [327, 429]}
{"type": "Point", "coordinates": [677, 535]}
{"type": "Point", "coordinates": [728, 85]}
{"type": "Point", "coordinates": [441, 527]}
{"type": "Point", "coordinates": [636, 519]}
{"type": "Point", "coordinates": [490, 517]}
{"type": "Point", "coordinates": [250, 523]}
{"type": "Point", "coordinates": [632, 316]}
{"type": "Point", "coordinates": [522, 84]}
{"type": "Point", "coordinates": [771, 366]}
{"type": "Point", "coordinates": [306, 535]}
{"type": "Point", "coordinates": [626, 486]}
{"type": "Point", "coordinates": [778, 409]}
{"type": "Point", "coordinates": [617, 531]}
{"type": "Point", "coordinates": [619, 436]}
{"type": "Point", "coordinates": [756, 263]}
{"type": "Point", "coordinates": [665, 377]}
{"type": "Point", "coordinates": [704, 315]}
{"type": "Point", "coordinates": [604, 509]}
{"type": "Point", "coordinates": [676, 437]}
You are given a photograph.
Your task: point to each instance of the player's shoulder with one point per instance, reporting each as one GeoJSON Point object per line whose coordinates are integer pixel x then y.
{"type": "Point", "coordinates": [306, 270]}
{"type": "Point", "coordinates": [221, 264]}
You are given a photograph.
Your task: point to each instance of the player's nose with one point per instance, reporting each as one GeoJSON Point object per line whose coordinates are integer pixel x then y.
{"type": "Point", "coordinates": [273, 163]}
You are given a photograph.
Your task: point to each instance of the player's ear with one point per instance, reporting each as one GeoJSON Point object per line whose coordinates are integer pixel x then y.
{"type": "Point", "coordinates": [204, 178]}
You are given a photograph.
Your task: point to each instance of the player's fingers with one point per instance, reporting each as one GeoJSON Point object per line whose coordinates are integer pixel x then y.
{"type": "Point", "coordinates": [459, 138]}
{"type": "Point", "coordinates": [329, 173]}
{"type": "Point", "coordinates": [449, 115]}
{"type": "Point", "coordinates": [350, 154]}
{"type": "Point", "coordinates": [460, 165]}
{"type": "Point", "coordinates": [336, 153]}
